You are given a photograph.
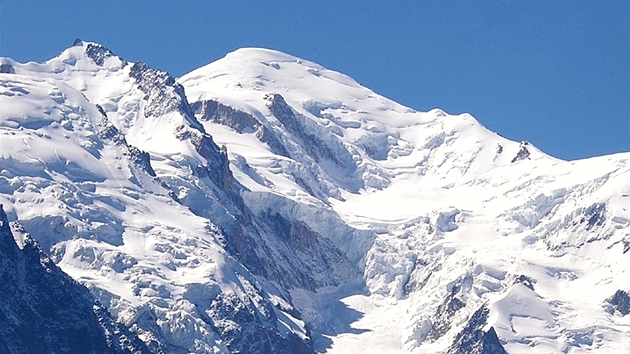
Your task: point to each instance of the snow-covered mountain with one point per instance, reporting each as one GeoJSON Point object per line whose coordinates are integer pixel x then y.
{"type": "Point", "coordinates": [263, 203]}
{"type": "Point", "coordinates": [35, 321]}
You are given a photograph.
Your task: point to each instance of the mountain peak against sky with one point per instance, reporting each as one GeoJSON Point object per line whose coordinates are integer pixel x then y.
{"type": "Point", "coordinates": [91, 51]}
{"type": "Point", "coordinates": [332, 104]}
{"type": "Point", "coordinates": [269, 70]}
{"type": "Point", "coordinates": [264, 54]}
{"type": "Point", "coordinates": [263, 203]}
{"type": "Point", "coordinates": [555, 74]}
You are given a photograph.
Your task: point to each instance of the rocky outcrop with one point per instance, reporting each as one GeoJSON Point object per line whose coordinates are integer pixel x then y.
{"type": "Point", "coordinates": [311, 260]}
{"type": "Point", "coordinates": [240, 121]}
{"type": "Point", "coordinates": [523, 153]}
{"type": "Point", "coordinates": [594, 216]}
{"type": "Point", "coordinates": [441, 321]}
{"type": "Point", "coordinates": [217, 112]}
{"type": "Point", "coordinates": [474, 340]}
{"type": "Point", "coordinates": [6, 67]}
{"type": "Point", "coordinates": [43, 310]}
{"type": "Point", "coordinates": [620, 302]}
{"type": "Point", "coordinates": [247, 328]}
{"type": "Point", "coordinates": [162, 94]}
{"type": "Point", "coordinates": [526, 281]}
{"type": "Point", "coordinates": [315, 147]}
{"type": "Point", "coordinates": [99, 54]}
{"type": "Point", "coordinates": [108, 132]}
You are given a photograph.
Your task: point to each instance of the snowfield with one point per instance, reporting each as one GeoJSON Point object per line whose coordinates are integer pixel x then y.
{"type": "Point", "coordinates": [264, 203]}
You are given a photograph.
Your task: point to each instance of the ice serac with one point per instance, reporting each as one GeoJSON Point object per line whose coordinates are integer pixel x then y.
{"type": "Point", "coordinates": [125, 184]}
{"type": "Point", "coordinates": [448, 216]}
{"type": "Point", "coordinates": [263, 203]}
{"type": "Point", "coordinates": [43, 310]}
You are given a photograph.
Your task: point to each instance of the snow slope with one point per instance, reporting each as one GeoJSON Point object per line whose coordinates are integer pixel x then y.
{"type": "Point", "coordinates": [449, 202]}
{"type": "Point", "coordinates": [104, 210]}
{"type": "Point", "coordinates": [43, 310]}
{"type": "Point", "coordinates": [264, 196]}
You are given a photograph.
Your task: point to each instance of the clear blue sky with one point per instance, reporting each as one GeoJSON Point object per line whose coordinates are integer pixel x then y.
{"type": "Point", "coordinates": [555, 73]}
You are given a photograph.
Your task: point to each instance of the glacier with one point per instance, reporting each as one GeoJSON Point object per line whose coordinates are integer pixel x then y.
{"type": "Point", "coordinates": [265, 204]}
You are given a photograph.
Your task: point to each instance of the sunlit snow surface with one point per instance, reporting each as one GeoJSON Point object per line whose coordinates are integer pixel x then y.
{"type": "Point", "coordinates": [448, 203]}
{"type": "Point", "coordinates": [449, 208]}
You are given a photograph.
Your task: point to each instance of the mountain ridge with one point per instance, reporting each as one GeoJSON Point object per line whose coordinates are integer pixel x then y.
{"type": "Point", "coordinates": [264, 203]}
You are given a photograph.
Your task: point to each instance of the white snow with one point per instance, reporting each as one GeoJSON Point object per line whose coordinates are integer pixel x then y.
{"type": "Point", "coordinates": [435, 197]}
{"type": "Point", "coordinates": [448, 196]}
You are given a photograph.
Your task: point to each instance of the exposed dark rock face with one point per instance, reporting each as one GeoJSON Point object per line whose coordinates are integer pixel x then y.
{"type": "Point", "coordinates": [442, 322]}
{"type": "Point", "coordinates": [240, 121]}
{"type": "Point", "coordinates": [312, 262]}
{"type": "Point", "coordinates": [446, 311]}
{"type": "Point", "coordinates": [217, 169]}
{"type": "Point", "coordinates": [108, 132]}
{"type": "Point", "coordinates": [43, 310]}
{"type": "Point", "coordinates": [246, 328]}
{"type": "Point", "coordinates": [621, 302]}
{"type": "Point", "coordinates": [296, 235]}
{"type": "Point", "coordinates": [473, 340]}
{"type": "Point", "coordinates": [526, 281]}
{"type": "Point", "coordinates": [314, 146]}
{"type": "Point", "coordinates": [99, 54]}
{"type": "Point", "coordinates": [216, 112]}
{"type": "Point", "coordinates": [594, 216]}
{"type": "Point", "coordinates": [163, 95]}
{"type": "Point", "coordinates": [267, 136]}
{"type": "Point", "coordinates": [522, 153]}
{"type": "Point", "coordinates": [272, 246]}
{"type": "Point", "coordinates": [6, 68]}
{"type": "Point", "coordinates": [287, 252]}
{"type": "Point", "coordinates": [269, 247]}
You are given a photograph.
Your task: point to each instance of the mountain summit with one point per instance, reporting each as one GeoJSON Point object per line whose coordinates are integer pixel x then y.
{"type": "Point", "coordinates": [265, 204]}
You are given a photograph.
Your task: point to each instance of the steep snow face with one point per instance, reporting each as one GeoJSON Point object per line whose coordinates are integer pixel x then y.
{"type": "Point", "coordinates": [263, 203]}
{"type": "Point", "coordinates": [43, 310]}
{"type": "Point", "coordinates": [354, 137]}
{"type": "Point", "coordinates": [459, 217]}
{"type": "Point", "coordinates": [124, 221]}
